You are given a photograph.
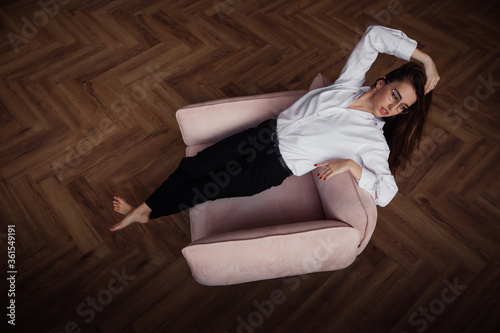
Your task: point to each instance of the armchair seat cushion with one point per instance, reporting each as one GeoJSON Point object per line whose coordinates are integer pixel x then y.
{"type": "Point", "coordinates": [272, 207]}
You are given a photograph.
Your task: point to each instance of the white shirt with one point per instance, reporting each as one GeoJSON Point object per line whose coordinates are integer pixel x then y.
{"type": "Point", "coordinates": [319, 127]}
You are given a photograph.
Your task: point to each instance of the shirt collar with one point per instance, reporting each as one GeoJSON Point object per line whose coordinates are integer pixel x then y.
{"type": "Point", "coordinates": [378, 121]}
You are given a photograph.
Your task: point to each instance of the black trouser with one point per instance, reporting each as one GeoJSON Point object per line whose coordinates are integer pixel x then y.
{"type": "Point", "coordinates": [242, 165]}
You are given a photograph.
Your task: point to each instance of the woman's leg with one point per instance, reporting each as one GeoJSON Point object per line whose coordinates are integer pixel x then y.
{"type": "Point", "coordinates": [243, 178]}
{"type": "Point", "coordinates": [219, 163]}
{"type": "Point", "coordinates": [224, 164]}
{"type": "Point", "coordinates": [249, 178]}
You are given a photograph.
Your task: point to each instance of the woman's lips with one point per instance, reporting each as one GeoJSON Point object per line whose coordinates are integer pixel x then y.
{"type": "Point", "coordinates": [384, 111]}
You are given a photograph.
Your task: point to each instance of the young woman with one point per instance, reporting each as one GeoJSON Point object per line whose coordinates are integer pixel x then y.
{"type": "Point", "coordinates": [367, 131]}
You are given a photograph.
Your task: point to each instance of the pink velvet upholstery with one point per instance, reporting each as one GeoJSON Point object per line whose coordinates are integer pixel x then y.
{"type": "Point", "coordinates": [304, 225]}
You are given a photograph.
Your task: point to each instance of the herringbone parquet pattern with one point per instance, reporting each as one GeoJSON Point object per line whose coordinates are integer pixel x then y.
{"type": "Point", "coordinates": [88, 96]}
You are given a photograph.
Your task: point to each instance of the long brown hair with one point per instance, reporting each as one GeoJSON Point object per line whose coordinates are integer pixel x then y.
{"type": "Point", "coordinates": [403, 132]}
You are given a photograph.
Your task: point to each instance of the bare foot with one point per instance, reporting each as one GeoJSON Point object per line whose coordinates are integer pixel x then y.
{"type": "Point", "coordinates": [139, 214]}
{"type": "Point", "coordinates": [121, 206]}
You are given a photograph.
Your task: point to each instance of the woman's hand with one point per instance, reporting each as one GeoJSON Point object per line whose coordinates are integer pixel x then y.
{"type": "Point", "coordinates": [336, 167]}
{"type": "Point", "coordinates": [430, 69]}
{"type": "Point", "coordinates": [432, 75]}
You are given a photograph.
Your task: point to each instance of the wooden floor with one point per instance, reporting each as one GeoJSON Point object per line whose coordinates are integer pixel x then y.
{"type": "Point", "coordinates": [88, 96]}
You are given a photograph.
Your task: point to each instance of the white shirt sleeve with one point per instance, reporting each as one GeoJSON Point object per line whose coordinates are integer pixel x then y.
{"type": "Point", "coordinates": [377, 39]}
{"type": "Point", "coordinates": [382, 188]}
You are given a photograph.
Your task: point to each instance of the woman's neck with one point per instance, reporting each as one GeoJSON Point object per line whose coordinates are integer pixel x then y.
{"type": "Point", "coordinates": [363, 103]}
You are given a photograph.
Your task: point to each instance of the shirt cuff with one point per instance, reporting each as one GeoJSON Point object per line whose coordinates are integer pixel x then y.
{"type": "Point", "coordinates": [368, 181]}
{"type": "Point", "coordinates": [383, 188]}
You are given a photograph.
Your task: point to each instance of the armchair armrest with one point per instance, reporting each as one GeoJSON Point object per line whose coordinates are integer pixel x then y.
{"type": "Point", "coordinates": [270, 252]}
{"type": "Point", "coordinates": [207, 123]}
{"type": "Point", "coordinates": [343, 200]}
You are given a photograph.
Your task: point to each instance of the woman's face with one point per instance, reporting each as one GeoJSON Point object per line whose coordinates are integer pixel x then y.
{"type": "Point", "coordinates": [392, 98]}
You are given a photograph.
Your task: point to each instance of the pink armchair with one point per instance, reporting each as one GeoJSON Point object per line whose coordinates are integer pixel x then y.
{"type": "Point", "coordinates": [304, 225]}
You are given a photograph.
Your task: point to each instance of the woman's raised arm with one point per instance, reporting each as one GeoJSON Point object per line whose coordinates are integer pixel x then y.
{"type": "Point", "coordinates": [429, 67]}
{"type": "Point", "coordinates": [377, 39]}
